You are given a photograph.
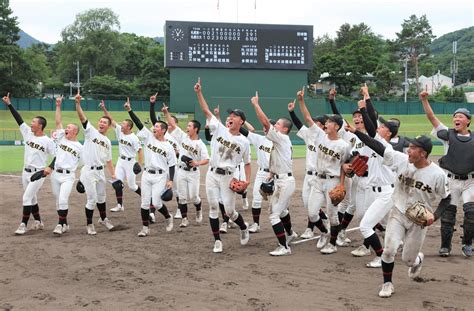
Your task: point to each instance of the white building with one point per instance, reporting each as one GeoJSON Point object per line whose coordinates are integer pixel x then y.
{"type": "Point", "coordinates": [434, 83]}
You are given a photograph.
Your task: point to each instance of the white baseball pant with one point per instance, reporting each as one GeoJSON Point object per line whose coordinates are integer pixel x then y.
{"type": "Point", "coordinates": [377, 210]}
{"type": "Point", "coordinates": [217, 187]}
{"type": "Point", "coordinates": [94, 184]}
{"type": "Point", "coordinates": [30, 188]}
{"type": "Point", "coordinates": [260, 177]}
{"type": "Point", "coordinates": [61, 184]}
{"type": "Point", "coordinates": [188, 186]}
{"type": "Point", "coordinates": [284, 189]}
{"type": "Point", "coordinates": [124, 171]}
{"type": "Point", "coordinates": [319, 197]}
{"type": "Point", "coordinates": [153, 186]}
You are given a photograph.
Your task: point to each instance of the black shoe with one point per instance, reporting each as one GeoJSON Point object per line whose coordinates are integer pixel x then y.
{"type": "Point", "coordinates": [444, 252]}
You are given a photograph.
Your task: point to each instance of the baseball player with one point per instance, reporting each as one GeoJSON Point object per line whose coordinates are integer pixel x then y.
{"type": "Point", "coordinates": [230, 149]}
{"type": "Point", "coordinates": [281, 169]}
{"type": "Point", "coordinates": [193, 154]}
{"type": "Point", "coordinates": [333, 151]}
{"type": "Point", "coordinates": [96, 155]}
{"type": "Point", "coordinates": [129, 147]}
{"type": "Point", "coordinates": [458, 163]}
{"type": "Point", "coordinates": [398, 142]}
{"type": "Point", "coordinates": [37, 149]}
{"type": "Point", "coordinates": [419, 181]}
{"type": "Point", "coordinates": [172, 141]}
{"type": "Point", "coordinates": [68, 156]}
{"type": "Point", "coordinates": [311, 157]}
{"type": "Point", "coordinates": [160, 162]}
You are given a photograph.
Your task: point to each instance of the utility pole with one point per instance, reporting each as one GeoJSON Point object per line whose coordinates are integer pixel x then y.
{"type": "Point", "coordinates": [405, 84]}
{"type": "Point", "coordinates": [78, 76]}
{"type": "Point", "coordinates": [454, 62]}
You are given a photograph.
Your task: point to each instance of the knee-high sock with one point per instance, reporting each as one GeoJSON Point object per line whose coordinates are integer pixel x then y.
{"type": "Point", "coordinates": [119, 195]}
{"type": "Point", "coordinates": [225, 218]}
{"type": "Point", "coordinates": [215, 228]}
{"type": "Point", "coordinates": [279, 230]}
{"type": "Point", "coordinates": [346, 220]}
{"type": "Point", "coordinates": [164, 211]}
{"type": "Point", "coordinates": [374, 241]}
{"type": "Point", "coordinates": [183, 208]}
{"type": "Point", "coordinates": [102, 210]}
{"type": "Point", "coordinates": [387, 269]}
{"type": "Point", "coordinates": [256, 215]}
{"type": "Point", "coordinates": [62, 214]}
{"type": "Point", "coordinates": [26, 214]}
{"type": "Point", "coordinates": [89, 215]}
{"type": "Point", "coordinates": [35, 212]}
{"type": "Point", "coordinates": [145, 213]}
{"type": "Point", "coordinates": [138, 191]}
{"type": "Point", "coordinates": [287, 223]}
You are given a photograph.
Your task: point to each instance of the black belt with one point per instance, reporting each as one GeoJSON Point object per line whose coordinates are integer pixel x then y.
{"type": "Point", "coordinates": [460, 177]}
{"type": "Point", "coordinates": [97, 168]}
{"type": "Point", "coordinates": [312, 173]}
{"type": "Point", "coordinates": [283, 175]}
{"type": "Point", "coordinates": [31, 170]}
{"type": "Point", "coordinates": [220, 171]}
{"type": "Point", "coordinates": [125, 158]}
{"type": "Point", "coordinates": [154, 171]}
{"type": "Point", "coordinates": [188, 169]}
{"type": "Point", "coordinates": [264, 169]}
{"type": "Point", "coordinates": [379, 189]}
{"type": "Point", "coordinates": [60, 170]}
{"type": "Point", "coordinates": [324, 176]}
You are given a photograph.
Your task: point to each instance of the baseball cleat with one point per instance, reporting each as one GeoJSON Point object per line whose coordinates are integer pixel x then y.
{"type": "Point", "coordinates": [307, 234]}
{"type": "Point", "coordinates": [65, 228]}
{"type": "Point", "coordinates": [169, 224]}
{"type": "Point", "coordinates": [223, 228]}
{"type": "Point", "coordinates": [281, 251]}
{"type": "Point", "coordinates": [244, 235]}
{"type": "Point", "coordinates": [387, 290]}
{"type": "Point", "coordinates": [118, 208]}
{"type": "Point", "coordinates": [184, 222]}
{"type": "Point", "coordinates": [199, 216]}
{"type": "Point", "coordinates": [375, 263]}
{"type": "Point", "coordinates": [21, 229]}
{"type": "Point", "coordinates": [152, 218]}
{"type": "Point", "coordinates": [323, 240]}
{"type": "Point", "coordinates": [254, 228]}
{"type": "Point", "coordinates": [291, 237]}
{"type": "Point", "coordinates": [91, 229]}
{"type": "Point", "coordinates": [444, 252]}
{"type": "Point", "coordinates": [467, 250]}
{"type": "Point", "coordinates": [231, 224]}
{"type": "Point", "coordinates": [361, 251]}
{"type": "Point", "coordinates": [342, 240]}
{"type": "Point", "coordinates": [144, 232]}
{"type": "Point", "coordinates": [329, 249]}
{"type": "Point", "coordinates": [415, 270]}
{"type": "Point", "coordinates": [178, 214]}
{"type": "Point", "coordinates": [38, 225]}
{"type": "Point", "coordinates": [106, 223]}
{"type": "Point", "coordinates": [217, 246]}
{"type": "Point", "coordinates": [58, 229]}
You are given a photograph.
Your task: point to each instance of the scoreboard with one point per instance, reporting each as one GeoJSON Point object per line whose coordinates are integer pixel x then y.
{"type": "Point", "coordinates": [244, 46]}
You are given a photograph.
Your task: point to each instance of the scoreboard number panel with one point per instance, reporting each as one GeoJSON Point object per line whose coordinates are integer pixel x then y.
{"type": "Point", "coordinates": [226, 45]}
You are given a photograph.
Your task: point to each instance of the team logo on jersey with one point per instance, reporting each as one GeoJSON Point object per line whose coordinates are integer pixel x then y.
{"type": "Point", "coordinates": [101, 143]}
{"type": "Point", "coordinates": [124, 142]}
{"type": "Point", "coordinates": [35, 146]}
{"type": "Point", "coordinates": [265, 149]}
{"type": "Point", "coordinates": [155, 149]}
{"type": "Point", "coordinates": [410, 182]}
{"type": "Point", "coordinates": [229, 145]}
{"type": "Point", "coordinates": [69, 149]}
{"type": "Point", "coordinates": [359, 145]}
{"type": "Point", "coordinates": [190, 149]}
{"type": "Point", "coordinates": [329, 152]}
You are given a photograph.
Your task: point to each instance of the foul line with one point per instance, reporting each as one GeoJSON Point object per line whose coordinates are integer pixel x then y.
{"type": "Point", "coordinates": [317, 237]}
{"type": "Point", "coordinates": [5, 175]}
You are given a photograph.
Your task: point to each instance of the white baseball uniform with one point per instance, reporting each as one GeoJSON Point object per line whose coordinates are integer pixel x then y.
{"type": "Point", "coordinates": [172, 141]}
{"type": "Point", "coordinates": [159, 157]}
{"type": "Point", "coordinates": [96, 152]}
{"type": "Point", "coordinates": [263, 147]}
{"type": "Point", "coordinates": [311, 157]}
{"type": "Point", "coordinates": [189, 178]}
{"type": "Point", "coordinates": [68, 156]}
{"type": "Point", "coordinates": [129, 145]}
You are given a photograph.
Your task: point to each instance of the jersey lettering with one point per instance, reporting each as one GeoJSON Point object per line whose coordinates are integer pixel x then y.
{"type": "Point", "coordinates": [190, 149]}
{"type": "Point", "coordinates": [157, 150]}
{"type": "Point", "coordinates": [69, 149]}
{"type": "Point", "coordinates": [229, 145]}
{"type": "Point", "coordinates": [312, 148]}
{"type": "Point", "coordinates": [100, 143]}
{"type": "Point", "coordinates": [329, 152]}
{"type": "Point", "coordinates": [410, 182]}
{"type": "Point", "coordinates": [265, 149]}
{"type": "Point", "coordinates": [124, 142]}
{"type": "Point", "coordinates": [36, 146]}
{"type": "Point", "coordinates": [359, 145]}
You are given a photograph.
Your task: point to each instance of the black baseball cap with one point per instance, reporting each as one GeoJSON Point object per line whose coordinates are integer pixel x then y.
{"type": "Point", "coordinates": [335, 118]}
{"type": "Point", "coordinates": [237, 112]}
{"type": "Point", "coordinates": [464, 111]}
{"type": "Point", "coordinates": [320, 119]}
{"type": "Point", "coordinates": [272, 122]}
{"type": "Point", "coordinates": [423, 142]}
{"type": "Point", "coordinates": [391, 125]}
{"type": "Point", "coordinates": [356, 111]}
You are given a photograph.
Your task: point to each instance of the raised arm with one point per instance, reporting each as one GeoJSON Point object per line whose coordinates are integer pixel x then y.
{"type": "Point", "coordinates": [133, 116]}
{"type": "Point", "coordinates": [429, 112]}
{"type": "Point", "coordinates": [260, 114]}
{"type": "Point", "coordinates": [294, 118]}
{"type": "Point", "coordinates": [304, 110]}
{"type": "Point", "coordinates": [332, 101]}
{"type": "Point", "coordinates": [16, 115]}
{"type": "Point", "coordinates": [369, 126]}
{"type": "Point", "coordinates": [249, 126]}
{"type": "Point", "coordinates": [370, 107]}
{"type": "Point", "coordinates": [217, 113]}
{"type": "Point", "coordinates": [59, 124]}
{"type": "Point", "coordinates": [80, 113]}
{"type": "Point", "coordinates": [169, 119]}
{"type": "Point", "coordinates": [373, 144]}
{"type": "Point", "coordinates": [153, 118]}
{"type": "Point", "coordinates": [202, 102]}
{"type": "Point", "coordinates": [107, 113]}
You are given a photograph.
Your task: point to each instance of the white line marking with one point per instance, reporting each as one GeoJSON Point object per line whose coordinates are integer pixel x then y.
{"type": "Point", "coordinates": [5, 175]}
{"type": "Point", "coordinates": [317, 237]}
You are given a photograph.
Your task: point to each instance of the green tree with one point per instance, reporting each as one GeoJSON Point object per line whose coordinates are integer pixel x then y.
{"type": "Point", "coordinates": [414, 40]}
{"type": "Point", "coordinates": [154, 76]}
{"type": "Point", "coordinates": [100, 86]}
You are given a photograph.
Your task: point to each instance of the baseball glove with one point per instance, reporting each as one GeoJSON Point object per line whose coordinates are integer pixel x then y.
{"type": "Point", "coordinates": [186, 160]}
{"type": "Point", "coordinates": [238, 186]}
{"type": "Point", "coordinates": [167, 195]}
{"type": "Point", "coordinates": [337, 194]}
{"type": "Point", "coordinates": [267, 189]}
{"type": "Point", "coordinates": [359, 165]}
{"type": "Point", "coordinates": [37, 176]}
{"type": "Point", "coordinates": [419, 214]}
{"type": "Point", "coordinates": [80, 187]}
{"type": "Point", "coordinates": [136, 168]}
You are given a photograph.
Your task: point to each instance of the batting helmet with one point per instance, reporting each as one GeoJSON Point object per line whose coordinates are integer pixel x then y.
{"type": "Point", "coordinates": [167, 195]}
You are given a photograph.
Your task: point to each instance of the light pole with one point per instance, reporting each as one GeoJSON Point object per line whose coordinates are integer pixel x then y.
{"type": "Point", "coordinates": [405, 84]}
{"type": "Point", "coordinates": [78, 75]}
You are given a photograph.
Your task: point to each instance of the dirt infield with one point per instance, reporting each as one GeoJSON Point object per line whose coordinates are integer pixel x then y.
{"type": "Point", "coordinates": [177, 270]}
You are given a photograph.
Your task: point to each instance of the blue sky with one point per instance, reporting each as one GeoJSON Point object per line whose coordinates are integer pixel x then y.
{"type": "Point", "coordinates": [45, 19]}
